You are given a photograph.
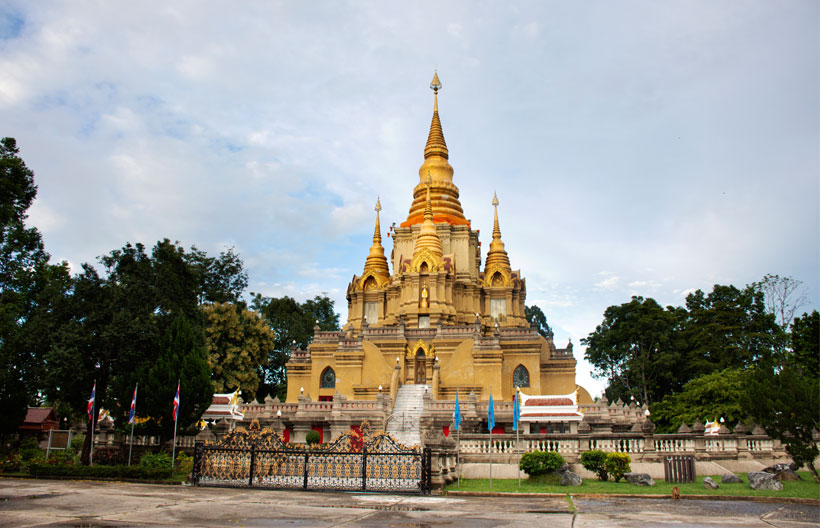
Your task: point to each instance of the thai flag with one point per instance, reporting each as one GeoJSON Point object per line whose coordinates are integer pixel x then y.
{"type": "Point", "coordinates": [516, 412]}
{"type": "Point", "coordinates": [176, 404]}
{"type": "Point", "coordinates": [133, 412]}
{"type": "Point", "coordinates": [90, 409]}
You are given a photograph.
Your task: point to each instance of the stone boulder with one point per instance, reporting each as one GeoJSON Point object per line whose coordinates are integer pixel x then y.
{"type": "Point", "coordinates": [708, 483]}
{"type": "Point", "coordinates": [568, 478]}
{"type": "Point", "coordinates": [730, 478]}
{"type": "Point", "coordinates": [563, 469]}
{"type": "Point", "coordinates": [639, 479]}
{"type": "Point", "coordinates": [760, 480]}
{"type": "Point", "coordinates": [787, 474]}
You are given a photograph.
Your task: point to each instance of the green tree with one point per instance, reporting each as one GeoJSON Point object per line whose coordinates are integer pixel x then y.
{"type": "Point", "coordinates": [182, 360]}
{"type": "Point", "coordinates": [785, 403]}
{"type": "Point", "coordinates": [718, 394]}
{"type": "Point", "coordinates": [729, 328]}
{"type": "Point", "coordinates": [221, 279]}
{"type": "Point", "coordinates": [634, 348]}
{"type": "Point", "coordinates": [537, 319]}
{"type": "Point", "coordinates": [292, 324]}
{"type": "Point", "coordinates": [26, 290]}
{"type": "Point", "coordinates": [238, 342]}
{"type": "Point", "coordinates": [805, 344]}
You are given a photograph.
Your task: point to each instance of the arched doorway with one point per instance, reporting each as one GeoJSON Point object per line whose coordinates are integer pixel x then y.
{"type": "Point", "coordinates": [421, 372]}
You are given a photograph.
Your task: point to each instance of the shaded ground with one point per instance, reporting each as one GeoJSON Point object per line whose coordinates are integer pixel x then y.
{"type": "Point", "coordinates": [27, 503]}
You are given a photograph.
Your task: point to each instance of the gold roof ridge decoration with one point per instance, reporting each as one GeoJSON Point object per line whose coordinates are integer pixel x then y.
{"type": "Point", "coordinates": [375, 267]}
{"type": "Point", "coordinates": [445, 203]}
{"type": "Point", "coordinates": [497, 271]}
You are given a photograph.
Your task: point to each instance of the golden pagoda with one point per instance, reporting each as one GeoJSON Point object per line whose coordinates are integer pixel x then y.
{"type": "Point", "coordinates": [439, 319]}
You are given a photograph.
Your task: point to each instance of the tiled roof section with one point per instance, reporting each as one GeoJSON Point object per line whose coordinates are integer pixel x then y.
{"type": "Point", "coordinates": [39, 414]}
{"type": "Point", "coordinates": [537, 402]}
{"type": "Point", "coordinates": [221, 400]}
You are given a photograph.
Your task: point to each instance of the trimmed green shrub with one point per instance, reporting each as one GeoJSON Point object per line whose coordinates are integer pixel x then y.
{"type": "Point", "coordinates": [113, 472]}
{"type": "Point", "coordinates": [537, 463]}
{"type": "Point", "coordinates": [594, 461]}
{"type": "Point", "coordinates": [160, 460]}
{"type": "Point", "coordinates": [617, 464]}
{"type": "Point", "coordinates": [312, 437]}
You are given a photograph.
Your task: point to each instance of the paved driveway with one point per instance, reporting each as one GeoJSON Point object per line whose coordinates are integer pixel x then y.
{"type": "Point", "coordinates": [25, 503]}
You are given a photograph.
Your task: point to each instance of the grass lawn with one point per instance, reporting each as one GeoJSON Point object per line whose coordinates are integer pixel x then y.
{"type": "Point", "coordinates": [805, 488]}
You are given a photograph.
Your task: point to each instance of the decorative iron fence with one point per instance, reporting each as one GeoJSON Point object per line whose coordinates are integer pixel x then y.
{"type": "Point", "coordinates": [261, 459]}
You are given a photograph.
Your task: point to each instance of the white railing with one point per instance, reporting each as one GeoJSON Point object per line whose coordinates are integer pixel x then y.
{"type": "Point", "coordinates": [675, 445]}
{"type": "Point", "coordinates": [618, 445]}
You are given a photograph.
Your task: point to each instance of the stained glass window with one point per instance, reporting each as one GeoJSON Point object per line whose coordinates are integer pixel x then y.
{"type": "Point", "coordinates": [328, 380]}
{"type": "Point", "coordinates": [521, 377]}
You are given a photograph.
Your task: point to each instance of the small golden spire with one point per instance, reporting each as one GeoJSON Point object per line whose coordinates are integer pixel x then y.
{"type": "Point", "coordinates": [497, 258]}
{"type": "Point", "coordinates": [376, 263]}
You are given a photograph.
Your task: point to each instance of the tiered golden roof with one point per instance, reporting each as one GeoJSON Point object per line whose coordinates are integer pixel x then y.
{"type": "Point", "coordinates": [446, 207]}
{"type": "Point", "coordinates": [376, 264]}
{"type": "Point", "coordinates": [497, 270]}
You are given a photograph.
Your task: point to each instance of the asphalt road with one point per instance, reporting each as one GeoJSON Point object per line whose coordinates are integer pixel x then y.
{"type": "Point", "coordinates": [28, 503]}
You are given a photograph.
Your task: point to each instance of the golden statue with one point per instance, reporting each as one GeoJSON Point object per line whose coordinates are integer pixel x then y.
{"type": "Point", "coordinates": [424, 295]}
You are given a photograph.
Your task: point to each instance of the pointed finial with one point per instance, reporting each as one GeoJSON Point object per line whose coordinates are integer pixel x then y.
{"type": "Point", "coordinates": [495, 199]}
{"type": "Point", "coordinates": [435, 85]}
{"type": "Point", "coordinates": [378, 204]}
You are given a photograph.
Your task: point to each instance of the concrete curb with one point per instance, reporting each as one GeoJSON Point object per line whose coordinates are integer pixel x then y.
{"type": "Point", "coordinates": [793, 500]}
{"type": "Point", "coordinates": [96, 479]}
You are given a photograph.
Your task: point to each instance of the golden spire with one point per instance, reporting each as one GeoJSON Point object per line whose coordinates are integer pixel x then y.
{"type": "Point", "coordinates": [376, 263]}
{"type": "Point", "coordinates": [497, 259]}
{"type": "Point", "coordinates": [428, 244]}
{"type": "Point", "coordinates": [436, 146]}
{"type": "Point", "coordinates": [446, 207]}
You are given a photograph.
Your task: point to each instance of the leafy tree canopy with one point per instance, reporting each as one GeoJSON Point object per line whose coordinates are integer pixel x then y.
{"type": "Point", "coordinates": [238, 343]}
{"type": "Point", "coordinates": [709, 397]}
{"type": "Point", "coordinates": [537, 319]}
{"type": "Point", "coordinates": [292, 324]}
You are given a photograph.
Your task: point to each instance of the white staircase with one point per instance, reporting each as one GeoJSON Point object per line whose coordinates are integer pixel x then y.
{"type": "Point", "coordinates": [404, 425]}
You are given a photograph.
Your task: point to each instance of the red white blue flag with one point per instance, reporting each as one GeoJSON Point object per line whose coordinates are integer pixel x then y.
{"type": "Point", "coordinates": [90, 409]}
{"type": "Point", "coordinates": [133, 412]}
{"type": "Point", "coordinates": [176, 404]}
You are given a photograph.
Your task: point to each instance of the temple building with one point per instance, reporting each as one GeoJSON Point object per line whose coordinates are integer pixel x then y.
{"type": "Point", "coordinates": [444, 318]}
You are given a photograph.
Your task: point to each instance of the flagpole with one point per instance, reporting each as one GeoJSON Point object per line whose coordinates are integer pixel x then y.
{"type": "Point", "coordinates": [458, 442]}
{"type": "Point", "coordinates": [93, 423]}
{"type": "Point", "coordinates": [133, 420]}
{"type": "Point", "coordinates": [490, 427]}
{"type": "Point", "coordinates": [517, 430]}
{"type": "Point", "coordinates": [176, 419]}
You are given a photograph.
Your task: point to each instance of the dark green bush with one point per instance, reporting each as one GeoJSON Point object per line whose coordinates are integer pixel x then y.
{"type": "Point", "coordinates": [537, 463]}
{"type": "Point", "coordinates": [114, 472]}
{"type": "Point", "coordinates": [110, 456]}
{"type": "Point", "coordinates": [157, 461]}
{"type": "Point", "coordinates": [594, 461]}
{"type": "Point", "coordinates": [617, 464]}
{"type": "Point", "coordinates": [312, 437]}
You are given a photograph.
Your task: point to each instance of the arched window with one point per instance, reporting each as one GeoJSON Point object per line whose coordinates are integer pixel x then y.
{"type": "Point", "coordinates": [328, 379]}
{"type": "Point", "coordinates": [521, 376]}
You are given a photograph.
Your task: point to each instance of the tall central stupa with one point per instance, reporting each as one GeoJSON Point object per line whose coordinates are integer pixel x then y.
{"type": "Point", "coordinates": [440, 319]}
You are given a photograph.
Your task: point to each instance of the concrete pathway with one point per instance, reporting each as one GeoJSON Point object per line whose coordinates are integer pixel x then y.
{"type": "Point", "coordinates": [29, 503]}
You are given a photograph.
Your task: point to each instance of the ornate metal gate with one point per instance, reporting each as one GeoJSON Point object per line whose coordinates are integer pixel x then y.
{"type": "Point", "coordinates": [261, 459]}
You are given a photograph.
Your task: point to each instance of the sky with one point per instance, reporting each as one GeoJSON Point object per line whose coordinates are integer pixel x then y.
{"type": "Point", "coordinates": [637, 147]}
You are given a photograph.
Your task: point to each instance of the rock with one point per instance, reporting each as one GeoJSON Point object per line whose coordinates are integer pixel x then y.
{"type": "Point", "coordinates": [563, 469]}
{"type": "Point", "coordinates": [568, 478]}
{"type": "Point", "coordinates": [708, 483]}
{"type": "Point", "coordinates": [787, 474]}
{"type": "Point", "coordinates": [774, 468]}
{"type": "Point", "coordinates": [639, 479]}
{"type": "Point", "coordinates": [760, 480]}
{"type": "Point", "coordinates": [730, 478]}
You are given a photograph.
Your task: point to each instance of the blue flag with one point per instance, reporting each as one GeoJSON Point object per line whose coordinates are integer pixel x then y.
{"type": "Point", "coordinates": [516, 412]}
{"type": "Point", "coordinates": [457, 414]}
{"type": "Point", "coordinates": [490, 415]}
